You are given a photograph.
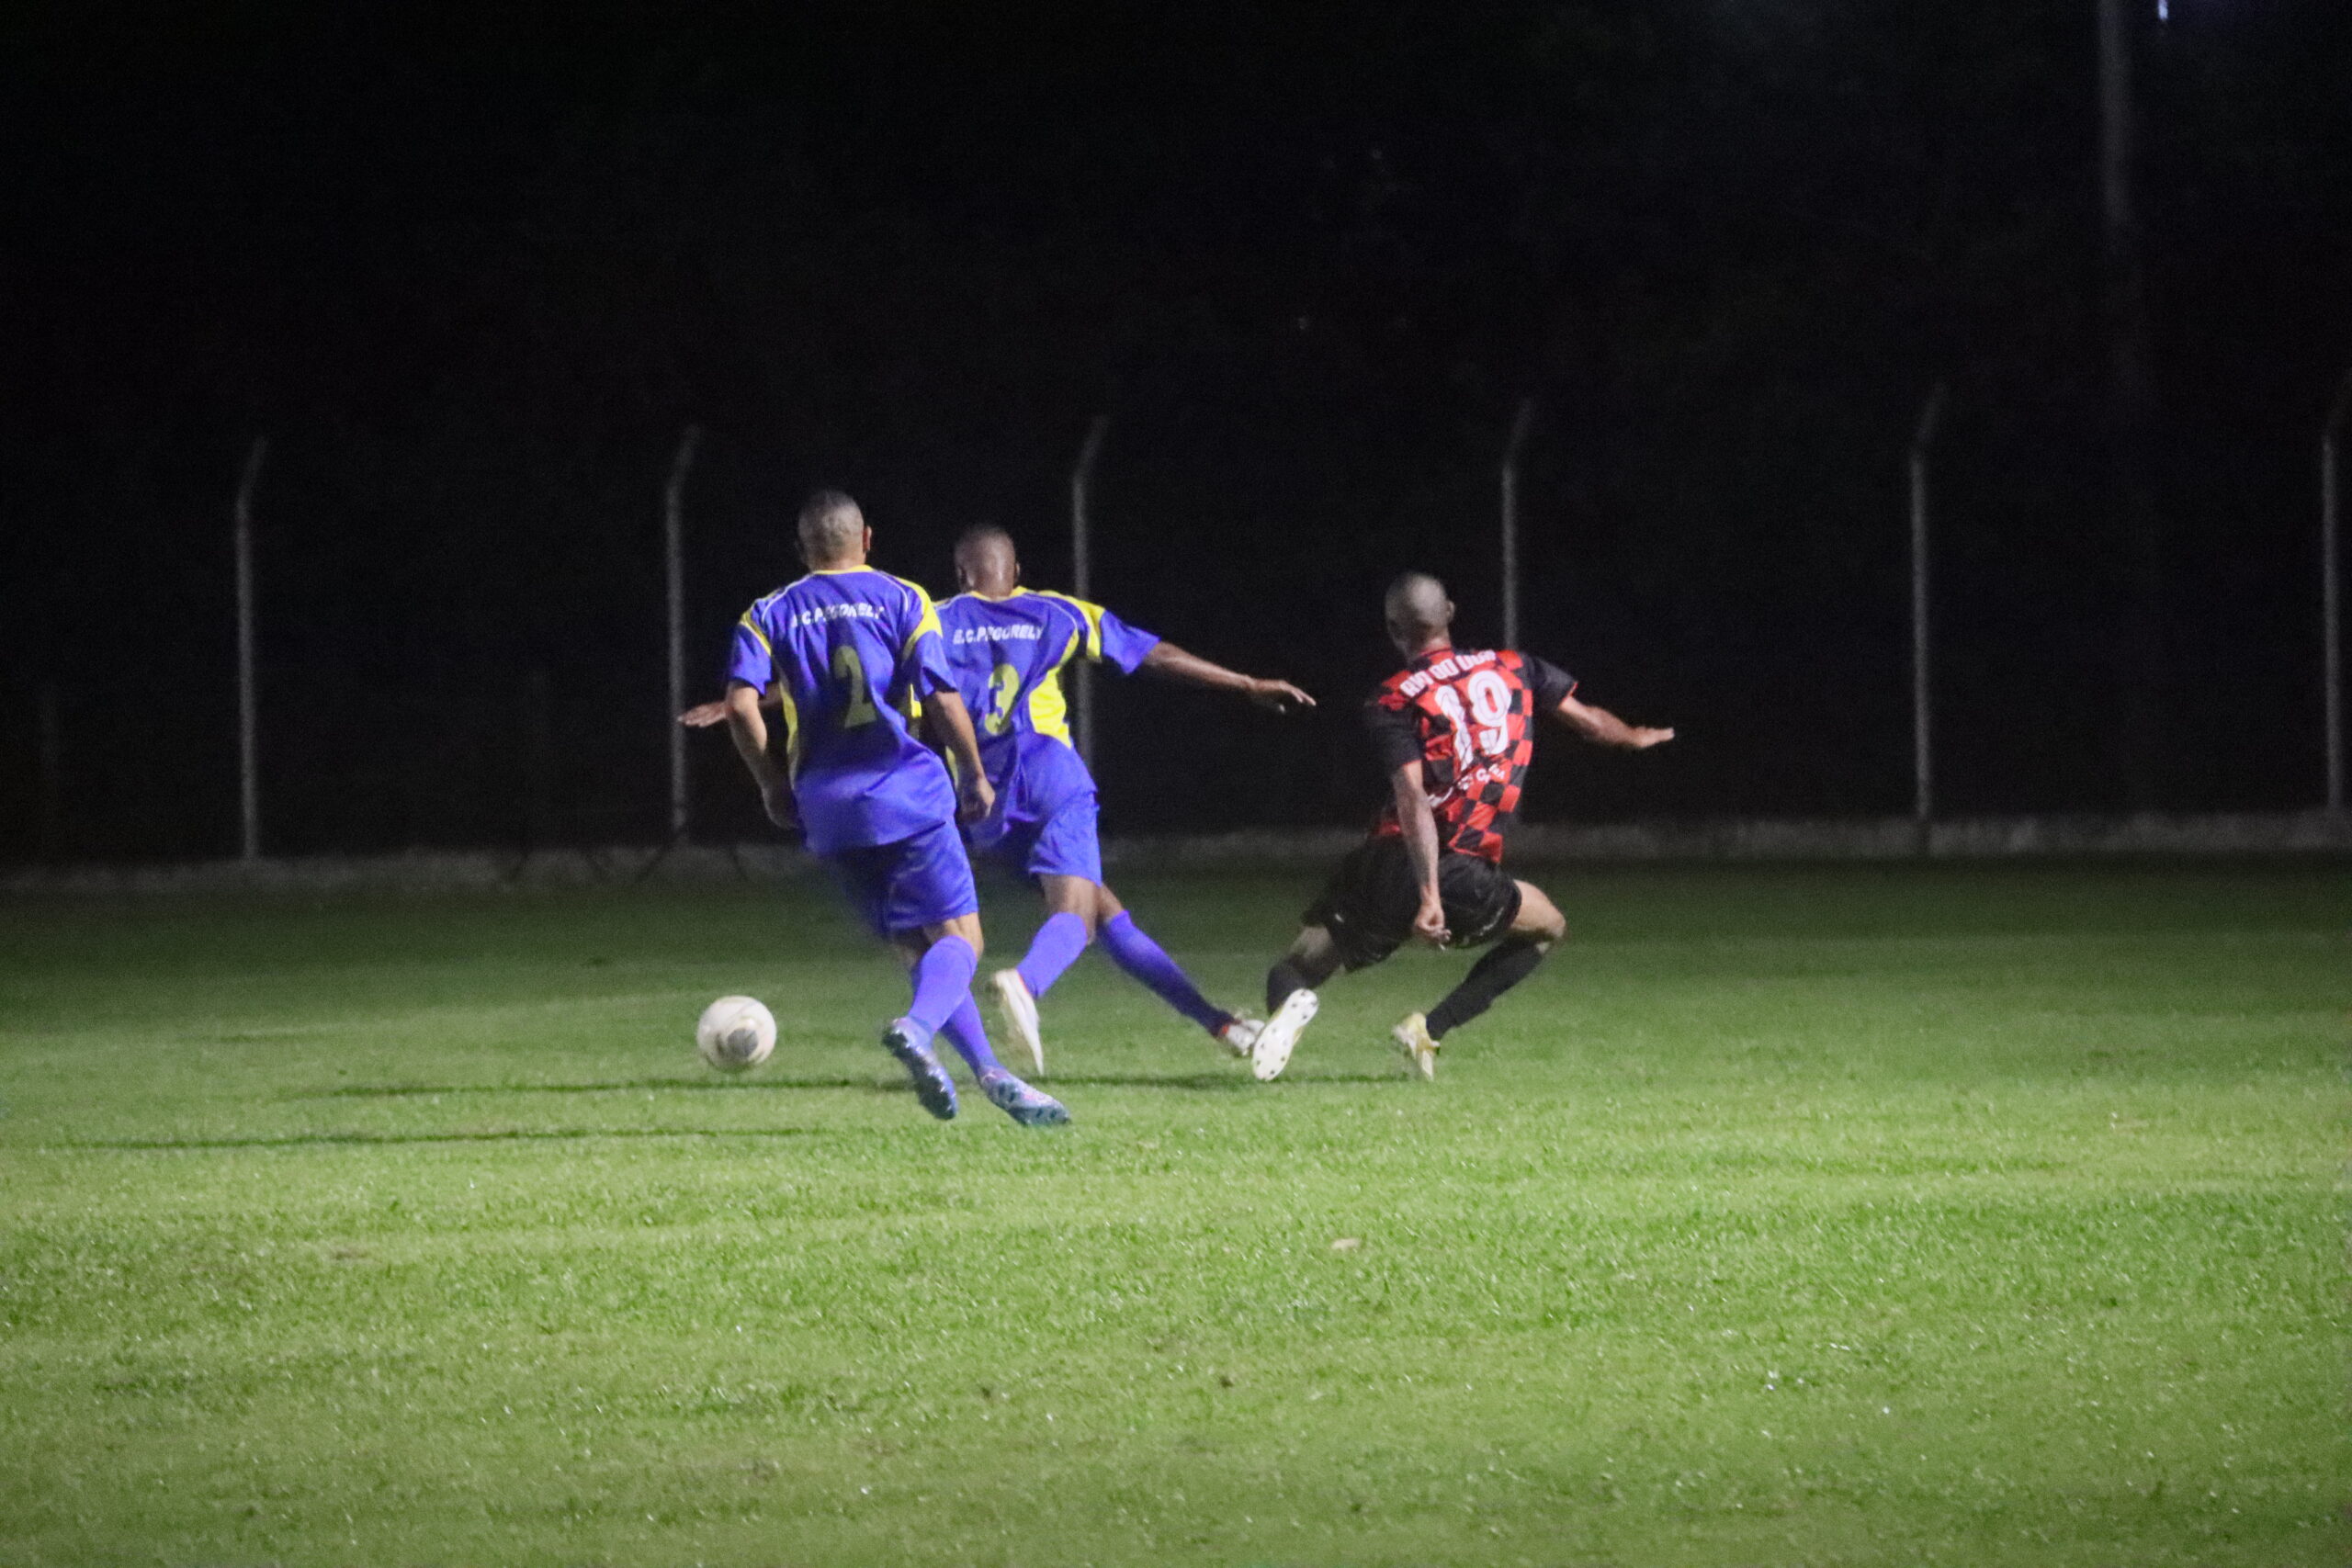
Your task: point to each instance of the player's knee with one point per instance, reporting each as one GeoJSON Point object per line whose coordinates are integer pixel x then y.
{"type": "Point", "coordinates": [1540, 919]}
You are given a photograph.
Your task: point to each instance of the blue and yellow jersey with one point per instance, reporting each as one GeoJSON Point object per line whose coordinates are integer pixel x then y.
{"type": "Point", "coordinates": [1007, 656]}
{"type": "Point", "coordinates": [853, 653]}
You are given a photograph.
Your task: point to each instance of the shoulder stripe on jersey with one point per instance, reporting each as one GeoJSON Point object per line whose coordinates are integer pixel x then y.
{"type": "Point", "coordinates": [752, 627]}
{"type": "Point", "coordinates": [927, 621]}
{"type": "Point", "coordinates": [1090, 615]}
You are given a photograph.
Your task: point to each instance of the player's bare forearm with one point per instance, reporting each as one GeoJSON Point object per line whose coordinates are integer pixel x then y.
{"type": "Point", "coordinates": [1605, 728]}
{"type": "Point", "coordinates": [748, 729]}
{"type": "Point", "coordinates": [949, 724]}
{"type": "Point", "coordinates": [707, 715]}
{"type": "Point", "coordinates": [1420, 823]}
{"type": "Point", "coordinates": [1167, 659]}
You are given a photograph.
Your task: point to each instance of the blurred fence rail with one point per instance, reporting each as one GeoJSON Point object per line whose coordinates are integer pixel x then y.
{"type": "Point", "coordinates": [1869, 838]}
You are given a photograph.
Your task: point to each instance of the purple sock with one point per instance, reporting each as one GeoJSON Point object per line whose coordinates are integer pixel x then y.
{"type": "Point", "coordinates": [1060, 941]}
{"type": "Point", "coordinates": [943, 978]}
{"type": "Point", "coordinates": [1141, 956]}
{"type": "Point", "coordinates": [970, 1037]}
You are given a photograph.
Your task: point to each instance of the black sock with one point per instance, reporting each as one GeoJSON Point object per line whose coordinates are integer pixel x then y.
{"type": "Point", "coordinates": [1281, 981]}
{"type": "Point", "coordinates": [1509, 964]}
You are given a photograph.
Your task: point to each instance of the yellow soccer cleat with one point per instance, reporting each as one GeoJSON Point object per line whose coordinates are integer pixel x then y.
{"type": "Point", "coordinates": [1413, 1042]}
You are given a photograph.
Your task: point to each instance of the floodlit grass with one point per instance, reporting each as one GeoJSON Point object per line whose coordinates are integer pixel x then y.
{"type": "Point", "coordinates": [1956, 1215]}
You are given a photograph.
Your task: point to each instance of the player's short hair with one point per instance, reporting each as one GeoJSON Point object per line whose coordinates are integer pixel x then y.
{"type": "Point", "coordinates": [831, 524]}
{"type": "Point", "coordinates": [983, 534]}
{"type": "Point", "coordinates": [1416, 601]}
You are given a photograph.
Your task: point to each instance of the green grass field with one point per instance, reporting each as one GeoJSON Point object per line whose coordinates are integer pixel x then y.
{"type": "Point", "coordinates": [1963, 1215]}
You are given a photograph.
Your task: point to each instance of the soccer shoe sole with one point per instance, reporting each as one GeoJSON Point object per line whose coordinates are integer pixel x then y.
{"type": "Point", "coordinates": [1279, 1038]}
{"type": "Point", "coordinates": [1029, 1107]}
{"type": "Point", "coordinates": [1413, 1044]}
{"type": "Point", "coordinates": [1018, 1009]}
{"type": "Point", "coordinates": [932, 1086]}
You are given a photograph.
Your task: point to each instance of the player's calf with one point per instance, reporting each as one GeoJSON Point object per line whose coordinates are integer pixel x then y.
{"type": "Point", "coordinates": [1312, 958]}
{"type": "Point", "coordinates": [1146, 962]}
{"type": "Point", "coordinates": [1291, 1001]}
{"type": "Point", "coordinates": [1533, 929]}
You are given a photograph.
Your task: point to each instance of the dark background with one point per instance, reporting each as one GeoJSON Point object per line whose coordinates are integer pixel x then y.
{"type": "Point", "coordinates": [472, 270]}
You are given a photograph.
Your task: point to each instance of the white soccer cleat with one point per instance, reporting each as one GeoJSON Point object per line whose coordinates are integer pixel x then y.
{"type": "Point", "coordinates": [1238, 1034]}
{"type": "Point", "coordinates": [1279, 1036]}
{"type": "Point", "coordinates": [1414, 1044]}
{"type": "Point", "coordinates": [1018, 1009]}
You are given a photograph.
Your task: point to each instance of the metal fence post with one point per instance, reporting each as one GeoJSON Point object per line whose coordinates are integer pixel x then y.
{"type": "Point", "coordinates": [1923, 757]}
{"type": "Point", "coordinates": [1081, 570]}
{"type": "Point", "coordinates": [248, 707]}
{"type": "Point", "coordinates": [2331, 501]}
{"type": "Point", "coordinates": [674, 538]}
{"type": "Point", "coordinates": [1519, 423]}
{"type": "Point", "coordinates": [50, 761]}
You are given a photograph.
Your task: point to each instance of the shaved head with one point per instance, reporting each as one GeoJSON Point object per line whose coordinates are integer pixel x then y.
{"type": "Point", "coordinates": [831, 528]}
{"type": "Point", "coordinates": [1416, 609]}
{"type": "Point", "coordinates": [986, 562]}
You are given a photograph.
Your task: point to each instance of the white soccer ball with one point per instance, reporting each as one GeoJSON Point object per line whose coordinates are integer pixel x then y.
{"type": "Point", "coordinates": [735, 1033]}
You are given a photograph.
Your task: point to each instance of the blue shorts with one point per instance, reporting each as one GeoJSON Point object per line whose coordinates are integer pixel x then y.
{"type": "Point", "coordinates": [920, 881]}
{"type": "Point", "coordinates": [1063, 844]}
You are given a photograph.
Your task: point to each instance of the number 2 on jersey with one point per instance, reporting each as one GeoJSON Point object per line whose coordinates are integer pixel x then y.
{"type": "Point", "coordinates": [850, 670]}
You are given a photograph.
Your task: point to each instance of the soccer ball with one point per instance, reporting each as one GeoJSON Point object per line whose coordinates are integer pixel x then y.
{"type": "Point", "coordinates": [735, 1033]}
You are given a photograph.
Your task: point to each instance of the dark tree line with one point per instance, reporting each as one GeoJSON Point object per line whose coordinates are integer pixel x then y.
{"type": "Point", "coordinates": [472, 277]}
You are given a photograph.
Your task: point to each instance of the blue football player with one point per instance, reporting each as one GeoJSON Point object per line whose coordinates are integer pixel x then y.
{"type": "Point", "coordinates": [854, 656]}
{"type": "Point", "coordinates": [1008, 646]}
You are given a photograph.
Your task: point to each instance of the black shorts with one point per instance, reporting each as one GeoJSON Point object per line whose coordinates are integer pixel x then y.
{"type": "Point", "coordinates": [1369, 905]}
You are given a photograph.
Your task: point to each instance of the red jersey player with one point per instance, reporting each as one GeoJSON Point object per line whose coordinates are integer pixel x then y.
{"type": "Point", "coordinates": [1454, 728]}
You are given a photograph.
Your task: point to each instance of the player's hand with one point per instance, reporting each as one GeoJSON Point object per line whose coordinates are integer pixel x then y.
{"type": "Point", "coordinates": [702, 715]}
{"type": "Point", "coordinates": [1640, 740]}
{"type": "Point", "coordinates": [977, 799]}
{"type": "Point", "coordinates": [777, 799]}
{"type": "Point", "coordinates": [1279, 695]}
{"type": "Point", "coordinates": [1428, 922]}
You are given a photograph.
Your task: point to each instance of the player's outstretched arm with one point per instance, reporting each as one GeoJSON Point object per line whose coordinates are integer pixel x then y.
{"type": "Point", "coordinates": [704, 716]}
{"type": "Point", "coordinates": [949, 724]}
{"type": "Point", "coordinates": [749, 730]}
{"type": "Point", "coordinates": [1413, 814]}
{"type": "Point", "coordinates": [1605, 728]}
{"type": "Point", "coordinates": [1189, 667]}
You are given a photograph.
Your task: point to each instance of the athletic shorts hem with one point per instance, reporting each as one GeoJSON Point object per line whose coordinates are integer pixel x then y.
{"type": "Point", "coordinates": [1066, 842]}
{"type": "Point", "coordinates": [922, 880]}
{"type": "Point", "coordinates": [1369, 904]}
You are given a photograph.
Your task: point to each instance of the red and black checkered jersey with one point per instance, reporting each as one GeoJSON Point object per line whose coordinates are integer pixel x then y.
{"type": "Point", "coordinates": [1468, 715]}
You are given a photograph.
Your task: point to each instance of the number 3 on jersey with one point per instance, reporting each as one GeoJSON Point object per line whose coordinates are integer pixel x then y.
{"type": "Point", "coordinates": [850, 670]}
{"type": "Point", "coordinates": [1003, 686]}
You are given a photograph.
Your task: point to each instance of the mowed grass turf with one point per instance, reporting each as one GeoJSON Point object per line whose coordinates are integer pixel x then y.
{"type": "Point", "coordinates": [1963, 1214]}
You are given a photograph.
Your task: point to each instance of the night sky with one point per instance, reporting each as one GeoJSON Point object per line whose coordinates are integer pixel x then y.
{"type": "Point", "coordinates": [472, 270]}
